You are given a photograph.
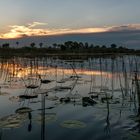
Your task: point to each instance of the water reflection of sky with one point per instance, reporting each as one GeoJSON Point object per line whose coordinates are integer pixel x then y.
{"type": "Point", "coordinates": [19, 71]}
{"type": "Point", "coordinates": [73, 119]}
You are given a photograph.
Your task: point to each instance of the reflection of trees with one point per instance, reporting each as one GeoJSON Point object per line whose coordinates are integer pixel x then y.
{"type": "Point", "coordinates": [136, 95]}
{"type": "Point", "coordinates": [93, 77]}
{"type": "Point", "coordinates": [43, 118]}
{"type": "Point", "coordinates": [137, 91]}
{"type": "Point", "coordinates": [100, 62]}
{"type": "Point", "coordinates": [112, 70]}
{"type": "Point", "coordinates": [107, 127]}
{"type": "Point", "coordinates": [0, 134]}
{"type": "Point", "coordinates": [30, 123]}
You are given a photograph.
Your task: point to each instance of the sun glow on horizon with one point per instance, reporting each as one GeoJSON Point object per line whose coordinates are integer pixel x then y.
{"type": "Point", "coordinates": [36, 29]}
{"type": "Point", "coordinates": [18, 31]}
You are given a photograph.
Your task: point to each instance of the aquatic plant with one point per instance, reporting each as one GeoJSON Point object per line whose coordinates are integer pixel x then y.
{"type": "Point", "coordinates": [74, 124]}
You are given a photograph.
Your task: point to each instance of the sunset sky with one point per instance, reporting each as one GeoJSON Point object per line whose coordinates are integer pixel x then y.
{"type": "Point", "coordinates": [48, 17]}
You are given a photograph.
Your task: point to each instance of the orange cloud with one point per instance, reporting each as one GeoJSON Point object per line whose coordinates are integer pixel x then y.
{"type": "Point", "coordinates": [18, 31]}
{"type": "Point", "coordinates": [35, 29]}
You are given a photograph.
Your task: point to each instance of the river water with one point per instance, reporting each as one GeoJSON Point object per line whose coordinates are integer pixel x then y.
{"type": "Point", "coordinates": [72, 99]}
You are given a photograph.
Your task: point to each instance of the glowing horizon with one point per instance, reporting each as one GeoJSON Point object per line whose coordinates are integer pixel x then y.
{"type": "Point", "coordinates": [18, 31]}
{"type": "Point", "coordinates": [37, 29]}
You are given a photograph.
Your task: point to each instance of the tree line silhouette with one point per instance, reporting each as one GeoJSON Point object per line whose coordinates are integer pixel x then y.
{"type": "Point", "coordinates": [69, 47]}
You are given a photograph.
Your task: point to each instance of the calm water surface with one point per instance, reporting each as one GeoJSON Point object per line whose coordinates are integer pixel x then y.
{"type": "Point", "coordinates": [55, 99]}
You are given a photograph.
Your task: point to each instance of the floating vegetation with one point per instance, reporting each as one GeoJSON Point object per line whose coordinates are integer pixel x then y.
{"type": "Point", "coordinates": [87, 101]}
{"type": "Point", "coordinates": [44, 81]}
{"type": "Point", "coordinates": [28, 96]}
{"type": "Point", "coordinates": [94, 96]}
{"type": "Point", "coordinates": [61, 81]}
{"type": "Point", "coordinates": [13, 121]}
{"type": "Point", "coordinates": [51, 107]}
{"type": "Point", "coordinates": [32, 86]}
{"type": "Point", "coordinates": [4, 93]}
{"type": "Point", "coordinates": [74, 124]}
{"type": "Point", "coordinates": [49, 118]}
{"type": "Point", "coordinates": [52, 98]}
{"type": "Point", "coordinates": [106, 97]}
{"type": "Point", "coordinates": [59, 88]}
{"type": "Point", "coordinates": [75, 96]}
{"type": "Point", "coordinates": [66, 100]}
{"type": "Point", "coordinates": [15, 99]}
{"type": "Point", "coordinates": [65, 88]}
{"type": "Point", "coordinates": [41, 91]}
{"type": "Point", "coordinates": [23, 110]}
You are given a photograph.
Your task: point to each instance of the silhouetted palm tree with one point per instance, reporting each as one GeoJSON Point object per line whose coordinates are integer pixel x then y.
{"type": "Point", "coordinates": [32, 44]}
{"type": "Point", "coordinates": [17, 43]}
{"type": "Point", "coordinates": [86, 45]}
{"type": "Point", "coordinates": [54, 45]}
{"type": "Point", "coordinates": [113, 46]}
{"type": "Point", "coordinates": [5, 45]}
{"type": "Point", "coordinates": [41, 44]}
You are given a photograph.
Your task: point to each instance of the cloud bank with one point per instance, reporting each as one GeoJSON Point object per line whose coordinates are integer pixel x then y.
{"type": "Point", "coordinates": [37, 29]}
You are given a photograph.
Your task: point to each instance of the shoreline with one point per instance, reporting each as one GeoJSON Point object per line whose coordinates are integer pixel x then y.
{"type": "Point", "coordinates": [68, 55]}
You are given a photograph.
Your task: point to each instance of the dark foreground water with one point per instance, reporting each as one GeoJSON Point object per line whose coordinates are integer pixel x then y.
{"type": "Point", "coordinates": [55, 99]}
